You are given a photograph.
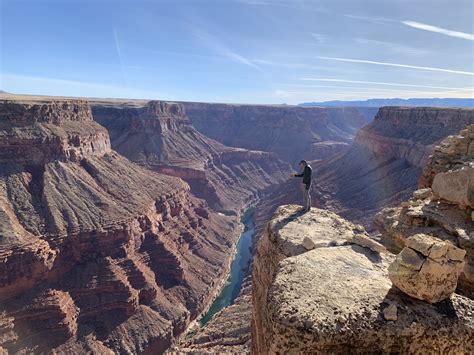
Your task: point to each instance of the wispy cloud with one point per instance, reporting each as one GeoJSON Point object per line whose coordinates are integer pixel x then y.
{"type": "Point", "coordinates": [451, 71]}
{"type": "Point", "coordinates": [221, 49]}
{"type": "Point", "coordinates": [385, 83]}
{"type": "Point", "coordinates": [300, 5]}
{"type": "Point", "coordinates": [394, 47]}
{"type": "Point", "coordinates": [300, 96]}
{"type": "Point", "coordinates": [59, 87]}
{"type": "Point", "coordinates": [119, 53]}
{"type": "Point", "coordinates": [376, 20]}
{"type": "Point", "coordinates": [374, 89]}
{"type": "Point", "coordinates": [436, 29]}
{"type": "Point", "coordinates": [287, 65]}
{"type": "Point", "coordinates": [320, 38]}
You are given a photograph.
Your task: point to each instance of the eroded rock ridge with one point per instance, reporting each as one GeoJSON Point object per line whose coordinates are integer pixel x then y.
{"type": "Point", "coordinates": [98, 254]}
{"type": "Point", "coordinates": [161, 137]}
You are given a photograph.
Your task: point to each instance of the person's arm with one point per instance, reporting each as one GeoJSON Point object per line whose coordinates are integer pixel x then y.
{"type": "Point", "coordinates": [298, 175]}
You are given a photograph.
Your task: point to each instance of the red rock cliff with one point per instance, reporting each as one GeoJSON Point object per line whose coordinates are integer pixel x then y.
{"type": "Point", "coordinates": [411, 133]}
{"type": "Point", "coordinates": [161, 137]}
{"type": "Point", "coordinates": [97, 254]}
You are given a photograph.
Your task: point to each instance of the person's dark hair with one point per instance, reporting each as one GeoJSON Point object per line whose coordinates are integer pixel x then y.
{"type": "Point", "coordinates": [303, 162]}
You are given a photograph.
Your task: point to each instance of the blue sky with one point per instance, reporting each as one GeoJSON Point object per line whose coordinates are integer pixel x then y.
{"type": "Point", "coordinates": [247, 51]}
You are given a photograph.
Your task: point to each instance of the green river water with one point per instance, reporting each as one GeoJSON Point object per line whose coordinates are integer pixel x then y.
{"type": "Point", "coordinates": [238, 268]}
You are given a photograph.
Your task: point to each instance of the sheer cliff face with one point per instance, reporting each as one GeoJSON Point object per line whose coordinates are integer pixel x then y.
{"type": "Point", "coordinates": [383, 166]}
{"type": "Point", "coordinates": [411, 133]}
{"type": "Point", "coordinates": [161, 137]}
{"type": "Point", "coordinates": [97, 253]}
{"type": "Point", "coordinates": [293, 133]}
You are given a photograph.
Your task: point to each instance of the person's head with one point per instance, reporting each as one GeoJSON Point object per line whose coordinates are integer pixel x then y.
{"type": "Point", "coordinates": [302, 164]}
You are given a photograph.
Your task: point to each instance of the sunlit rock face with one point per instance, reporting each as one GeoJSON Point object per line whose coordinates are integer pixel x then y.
{"type": "Point", "coordinates": [442, 207]}
{"type": "Point", "coordinates": [337, 297]}
{"type": "Point", "coordinates": [97, 254]}
{"type": "Point", "coordinates": [161, 137]}
{"type": "Point", "coordinates": [427, 268]}
{"type": "Point", "coordinates": [382, 167]}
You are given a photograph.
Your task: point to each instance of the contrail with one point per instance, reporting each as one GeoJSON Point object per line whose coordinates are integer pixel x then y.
{"type": "Point", "coordinates": [436, 29]}
{"type": "Point", "coordinates": [385, 83]}
{"type": "Point", "coordinates": [119, 54]}
{"type": "Point", "coordinates": [399, 65]}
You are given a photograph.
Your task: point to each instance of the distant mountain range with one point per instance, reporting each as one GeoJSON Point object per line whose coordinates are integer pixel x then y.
{"type": "Point", "coordinates": [435, 102]}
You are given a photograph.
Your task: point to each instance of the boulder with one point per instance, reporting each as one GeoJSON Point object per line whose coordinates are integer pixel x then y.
{"type": "Point", "coordinates": [427, 268]}
{"type": "Point", "coordinates": [456, 186]}
{"type": "Point", "coordinates": [422, 194]}
{"type": "Point", "coordinates": [338, 299]}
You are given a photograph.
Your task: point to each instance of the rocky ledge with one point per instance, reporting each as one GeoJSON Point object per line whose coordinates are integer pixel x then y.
{"type": "Point", "coordinates": [442, 207]}
{"type": "Point", "coordinates": [321, 285]}
{"type": "Point", "coordinates": [36, 134]}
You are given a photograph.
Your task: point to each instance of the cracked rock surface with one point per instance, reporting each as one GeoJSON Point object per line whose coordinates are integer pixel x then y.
{"type": "Point", "coordinates": [427, 268]}
{"type": "Point", "coordinates": [337, 298]}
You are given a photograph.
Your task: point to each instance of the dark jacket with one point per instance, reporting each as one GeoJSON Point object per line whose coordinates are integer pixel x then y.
{"type": "Point", "coordinates": [306, 174]}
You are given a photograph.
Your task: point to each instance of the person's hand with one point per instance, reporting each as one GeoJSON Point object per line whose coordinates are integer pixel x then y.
{"type": "Point", "coordinates": [292, 175]}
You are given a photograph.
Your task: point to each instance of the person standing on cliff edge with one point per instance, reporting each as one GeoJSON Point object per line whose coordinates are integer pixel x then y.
{"type": "Point", "coordinates": [306, 172]}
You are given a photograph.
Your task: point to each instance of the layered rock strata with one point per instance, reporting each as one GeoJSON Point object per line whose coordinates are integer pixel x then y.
{"type": "Point", "coordinates": [411, 133]}
{"type": "Point", "coordinates": [97, 254]}
{"type": "Point", "coordinates": [443, 206]}
{"type": "Point", "coordinates": [383, 166]}
{"type": "Point", "coordinates": [292, 132]}
{"type": "Point", "coordinates": [337, 297]}
{"type": "Point", "coordinates": [161, 137]}
{"type": "Point", "coordinates": [228, 332]}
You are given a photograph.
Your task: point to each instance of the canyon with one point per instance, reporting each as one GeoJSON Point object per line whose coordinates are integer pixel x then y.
{"type": "Point", "coordinates": [119, 219]}
{"type": "Point", "coordinates": [291, 132]}
{"type": "Point", "coordinates": [159, 136]}
{"type": "Point", "coordinates": [385, 163]}
{"type": "Point", "coordinates": [383, 166]}
{"type": "Point", "coordinates": [98, 254]}
{"type": "Point", "coordinates": [321, 284]}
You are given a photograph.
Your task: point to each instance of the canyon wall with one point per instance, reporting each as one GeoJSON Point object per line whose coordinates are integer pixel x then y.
{"type": "Point", "coordinates": [321, 286]}
{"type": "Point", "coordinates": [411, 133]}
{"type": "Point", "coordinates": [381, 170]}
{"type": "Point", "coordinates": [161, 137]}
{"type": "Point", "coordinates": [98, 254]}
{"type": "Point", "coordinates": [292, 132]}
{"type": "Point", "coordinates": [383, 166]}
